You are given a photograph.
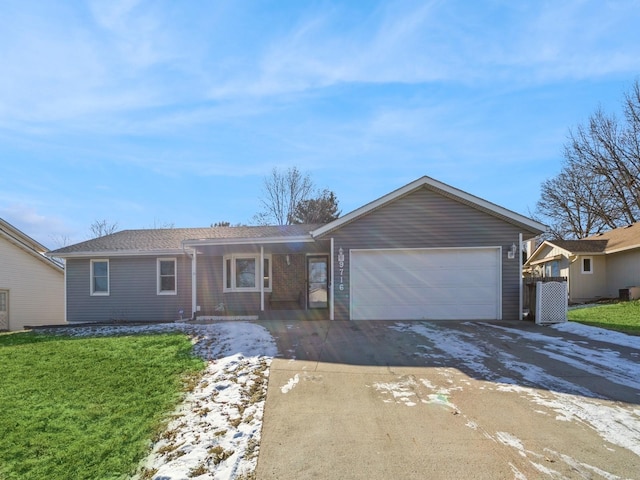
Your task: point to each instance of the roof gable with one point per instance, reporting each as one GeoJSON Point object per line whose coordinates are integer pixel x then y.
{"type": "Point", "coordinates": [570, 247]}
{"type": "Point", "coordinates": [26, 244]}
{"type": "Point", "coordinates": [443, 189]}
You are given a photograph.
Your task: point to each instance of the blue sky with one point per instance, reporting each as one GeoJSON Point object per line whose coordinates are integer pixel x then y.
{"type": "Point", "coordinates": [148, 113]}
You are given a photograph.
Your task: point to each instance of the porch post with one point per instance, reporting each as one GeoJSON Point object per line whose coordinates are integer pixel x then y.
{"type": "Point", "coordinates": [194, 284]}
{"type": "Point", "coordinates": [331, 265]}
{"type": "Point", "coordinates": [519, 257]}
{"type": "Point", "coordinates": [262, 278]}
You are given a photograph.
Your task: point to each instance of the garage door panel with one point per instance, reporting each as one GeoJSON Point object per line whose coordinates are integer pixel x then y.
{"type": "Point", "coordinates": [426, 284]}
{"type": "Point", "coordinates": [419, 295]}
{"type": "Point", "coordinates": [456, 277]}
{"type": "Point", "coordinates": [437, 312]}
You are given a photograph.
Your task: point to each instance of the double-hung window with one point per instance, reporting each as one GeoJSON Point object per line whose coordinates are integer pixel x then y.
{"type": "Point", "coordinates": [242, 273]}
{"type": "Point", "coordinates": [99, 277]}
{"type": "Point", "coordinates": [167, 280]}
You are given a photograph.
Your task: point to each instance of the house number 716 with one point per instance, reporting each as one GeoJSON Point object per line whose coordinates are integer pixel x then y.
{"type": "Point", "coordinates": [341, 268]}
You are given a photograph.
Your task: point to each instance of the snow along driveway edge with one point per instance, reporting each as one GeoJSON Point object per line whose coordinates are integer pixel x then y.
{"type": "Point", "coordinates": [215, 432]}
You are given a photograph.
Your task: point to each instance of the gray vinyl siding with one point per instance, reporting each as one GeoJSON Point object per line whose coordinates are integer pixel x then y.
{"type": "Point", "coordinates": [426, 219]}
{"type": "Point", "coordinates": [132, 291]}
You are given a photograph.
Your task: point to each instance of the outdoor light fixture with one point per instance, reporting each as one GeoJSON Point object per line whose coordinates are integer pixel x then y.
{"type": "Point", "coordinates": [511, 253]}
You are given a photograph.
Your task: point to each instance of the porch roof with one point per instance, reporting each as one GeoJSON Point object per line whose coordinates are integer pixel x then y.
{"type": "Point", "coordinates": [278, 239]}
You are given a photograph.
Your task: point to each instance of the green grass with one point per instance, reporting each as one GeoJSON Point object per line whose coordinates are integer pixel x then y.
{"type": "Point", "coordinates": [86, 408]}
{"type": "Point", "coordinates": [621, 316]}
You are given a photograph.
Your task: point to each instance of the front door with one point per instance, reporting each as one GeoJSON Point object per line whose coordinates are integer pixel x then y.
{"type": "Point", "coordinates": [4, 310]}
{"type": "Point", "coordinates": [318, 294]}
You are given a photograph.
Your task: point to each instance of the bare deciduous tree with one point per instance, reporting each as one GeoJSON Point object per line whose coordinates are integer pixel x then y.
{"type": "Point", "coordinates": [599, 185]}
{"type": "Point", "coordinates": [60, 240]}
{"type": "Point", "coordinates": [282, 191]}
{"type": "Point", "coordinates": [100, 228]}
{"type": "Point", "coordinates": [573, 201]}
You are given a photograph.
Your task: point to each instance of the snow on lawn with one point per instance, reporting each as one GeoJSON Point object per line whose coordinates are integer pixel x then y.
{"type": "Point", "coordinates": [215, 433]}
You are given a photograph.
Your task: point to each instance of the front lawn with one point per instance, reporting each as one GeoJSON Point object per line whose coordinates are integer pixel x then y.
{"type": "Point", "coordinates": [622, 316]}
{"type": "Point", "coordinates": [86, 408]}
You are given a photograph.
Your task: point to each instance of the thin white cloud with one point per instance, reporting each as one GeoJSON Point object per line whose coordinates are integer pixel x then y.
{"type": "Point", "coordinates": [100, 67]}
{"type": "Point", "coordinates": [418, 42]}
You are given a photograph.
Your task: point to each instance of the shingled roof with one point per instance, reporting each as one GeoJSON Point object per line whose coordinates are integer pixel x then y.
{"type": "Point", "coordinates": [152, 240]}
{"type": "Point", "coordinates": [618, 239]}
{"type": "Point", "coordinates": [581, 246]}
{"type": "Point", "coordinates": [622, 238]}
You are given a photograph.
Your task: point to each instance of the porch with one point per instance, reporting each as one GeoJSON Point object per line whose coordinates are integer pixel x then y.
{"type": "Point", "coordinates": [269, 279]}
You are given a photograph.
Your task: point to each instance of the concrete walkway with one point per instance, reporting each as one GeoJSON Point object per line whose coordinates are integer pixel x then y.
{"type": "Point", "coordinates": [380, 400]}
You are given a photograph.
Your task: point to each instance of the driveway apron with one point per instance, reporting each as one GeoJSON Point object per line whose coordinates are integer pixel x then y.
{"type": "Point", "coordinates": [448, 400]}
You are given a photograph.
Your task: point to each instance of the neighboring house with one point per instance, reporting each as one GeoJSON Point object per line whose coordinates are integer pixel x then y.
{"type": "Point", "coordinates": [424, 251]}
{"type": "Point", "coordinates": [31, 284]}
{"type": "Point", "coordinates": [595, 267]}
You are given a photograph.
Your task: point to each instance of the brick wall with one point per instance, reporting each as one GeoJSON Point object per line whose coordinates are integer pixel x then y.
{"type": "Point", "coordinates": [289, 280]}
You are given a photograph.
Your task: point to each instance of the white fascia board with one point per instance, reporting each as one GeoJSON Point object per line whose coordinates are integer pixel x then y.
{"type": "Point", "coordinates": [122, 253]}
{"type": "Point", "coordinates": [536, 253]}
{"type": "Point", "coordinates": [621, 249]}
{"type": "Point", "coordinates": [436, 184]}
{"type": "Point", "coordinates": [246, 241]}
{"type": "Point", "coordinates": [12, 231]}
{"type": "Point", "coordinates": [31, 251]}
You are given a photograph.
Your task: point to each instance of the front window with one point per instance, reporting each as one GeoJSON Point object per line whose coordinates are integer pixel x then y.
{"type": "Point", "coordinates": [242, 273]}
{"type": "Point", "coordinates": [99, 277]}
{"type": "Point", "coordinates": [587, 265]}
{"type": "Point", "coordinates": [245, 273]}
{"type": "Point", "coordinates": [167, 276]}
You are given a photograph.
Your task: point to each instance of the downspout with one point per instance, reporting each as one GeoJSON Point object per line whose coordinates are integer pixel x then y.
{"type": "Point", "coordinates": [194, 284]}
{"type": "Point", "coordinates": [194, 279]}
{"type": "Point", "coordinates": [331, 266]}
{"type": "Point", "coordinates": [519, 257]}
{"type": "Point", "coordinates": [66, 318]}
{"type": "Point", "coordinates": [262, 278]}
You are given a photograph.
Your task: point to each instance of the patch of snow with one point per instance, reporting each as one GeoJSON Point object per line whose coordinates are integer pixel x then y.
{"type": "Point", "coordinates": [599, 334]}
{"type": "Point", "coordinates": [511, 441]}
{"type": "Point", "coordinates": [517, 474]}
{"type": "Point", "coordinates": [290, 384]}
{"type": "Point", "coordinates": [603, 362]}
{"type": "Point", "coordinates": [547, 471]}
{"type": "Point", "coordinates": [215, 432]}
{"type": "Point", "coordinates": [617, 424]}
{"type": "Point", "coordinates": [401, 392]}
{"type": "Point", "coordinates": [584, 469]}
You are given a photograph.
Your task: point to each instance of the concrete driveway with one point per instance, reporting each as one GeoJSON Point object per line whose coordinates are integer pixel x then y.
{"type": "Point", "coordinates": [449, 400]}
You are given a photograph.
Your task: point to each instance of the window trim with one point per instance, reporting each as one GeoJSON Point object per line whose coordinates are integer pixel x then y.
{"type": "Point", "coordinates": [582, 269]}
{"type": "Point", "coordinates": [159, 290]}
{"type": "Point", "coordinates": [229, 278]}
{"type": "Point", "coordinates": [92, 278]}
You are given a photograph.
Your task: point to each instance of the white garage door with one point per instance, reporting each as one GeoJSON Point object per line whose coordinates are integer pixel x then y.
{"type": "Point", "coordinates": [433, 284]}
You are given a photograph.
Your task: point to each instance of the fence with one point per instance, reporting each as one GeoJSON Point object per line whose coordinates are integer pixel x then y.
{"type": "Point", "coordinates": [529, 291]}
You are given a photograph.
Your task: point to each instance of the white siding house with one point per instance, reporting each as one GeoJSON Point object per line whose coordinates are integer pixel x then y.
{"type": "Point", "coordinates": [596, 267]}
{"type": "Point", "coordinates": [31, 284]}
